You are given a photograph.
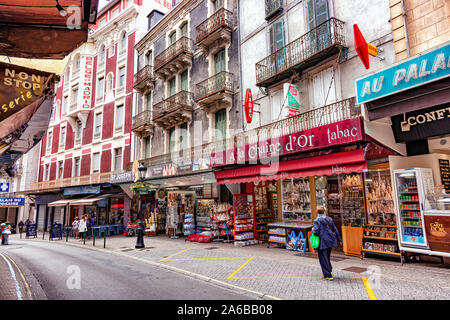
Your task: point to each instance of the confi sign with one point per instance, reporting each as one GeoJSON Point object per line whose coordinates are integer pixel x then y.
{"type": "Point", "coordinates": [425, 68]}
{"type": "Point", "coordinates": [422, 124]}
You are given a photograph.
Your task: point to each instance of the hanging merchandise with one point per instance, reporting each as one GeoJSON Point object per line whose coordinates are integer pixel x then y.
{"type": "Point", "coordinates": [203, 214]}
{"type": "Point", "coordinates": [263, 215]}
{"type": "Point", "coordinates": [243, 212]}
{"type": "Point", "coordinates": [222, 222]}
{"type": "Point", "coordinates": [296, 200]}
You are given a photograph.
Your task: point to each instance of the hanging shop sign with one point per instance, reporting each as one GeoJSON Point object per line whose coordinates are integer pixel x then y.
{"type": "Point", "coordinates": [421, 124]}
{"type": "Point", "coordinates": [416, 71]}
{"type": "Point", "coordinates": [292, 95]}
{"type": "Point", "coordinates": [81, 190]}
{"type": "Point", "coordinates": [248, 106]}
{"type": "Point", "coordinates": [12, 202]}
{"type": "Point", "coordinates": [86, 83]}
{"type": "Point", "coordinates": [338, 133]}
{"type": "Point", "coordinates": [363, 48]}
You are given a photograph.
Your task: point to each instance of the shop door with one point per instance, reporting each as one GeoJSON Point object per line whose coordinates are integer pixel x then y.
{"type": "Point", "coordinates": [219, 65]}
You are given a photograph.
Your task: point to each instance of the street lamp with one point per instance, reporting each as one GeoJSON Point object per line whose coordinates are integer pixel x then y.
{"type": "Point", "coordinates": [140, 234]}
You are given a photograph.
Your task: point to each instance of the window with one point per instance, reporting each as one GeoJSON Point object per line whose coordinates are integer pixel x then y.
{"type": "Point", "coordinates": [217, 4]}
{"type": "Point", "coordinates": [221, 125]}
{"type": "Point", "coordinates": [184, 81]}
{"type": "Point", "coordinates": [74, 95]}
{"type": "Point", "coordinates": [79, 131]}
{"type": "Point", "coordinates": [62, 141]}
{"type": "Point", "coordinates": [172, 139]}
{"type": "Point", "coordinates": [148, 58]}
{"type": "Point", "coordinates": [65, 104]}
{"type": "Point", "coordinates": [172, 38]}
{"type": "Point", "coordinates": [102, 54]}
{"type": "Point", "coordinates": [47, 172]}
{"type": "Point", "coordinates": [219, 61]}
{"type": "Point", "coordinates": [141, 62]}
{"type": "Point", "coordinates": [151, 20]}
{"type": "Point", "coordinates": [50, 141]}
{"type": "Point", "coordinates": [147, 142]}
{"type": "Point", "coordinates": [149, 101]}
{"type": "Point", "coordinates": [76, 167]}
{"type": "Point", "coordinates": [96, 162]}
{"type": "Point", "coordinates": [277, 42]}
{"type": "Point", "coordinates": [101, 87]}
{"type": "Point", "coordinates": [317, 14]}
{"type": "Point", "coordinates": [123, 42]}
{"type": "Point", "coordinates": [321, 82]}
{"type": "Point", "coordinates": [172, 87]}
{"type": "Point", "coordinates": [117, 159]}
{"type": "Point", "coordinates": [119, 117]}
{"type": "Point", "coordinates": [121, 77]}
{"type": "Point", "coordinates": [110, 82]}
{"type": "Point", "coordinates": [183, 136]}
{"type": "Point", "coordinates": [114, 13]}
{"type": "Point", "coordinates": [98, 124]}
{"type": "Point", "coordinates": [77, 64]}
{"type": "Point", "coordinates": [60, 169]}
{"type": "Point", "coordinates": [184, 30]}
{"type": "Point", "coordinates": [102, 22]}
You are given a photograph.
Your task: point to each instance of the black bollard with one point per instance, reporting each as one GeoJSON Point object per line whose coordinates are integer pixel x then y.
{"type": "Point", "coordinates": [93, 238]}
{"type": "Point", "coordinates": [43, 234]}
{"type": "Point", "coordinates": [104, 243]}
{"type": "Point", "coordinates": [84, 237]}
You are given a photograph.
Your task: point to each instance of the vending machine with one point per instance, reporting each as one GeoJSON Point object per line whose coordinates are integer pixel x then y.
{"type": "Point", "coordinates": [412, 185]}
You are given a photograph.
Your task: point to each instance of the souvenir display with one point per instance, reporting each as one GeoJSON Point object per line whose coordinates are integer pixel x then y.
{"type": "Point", "coordinates": [243, 213]}
{"type": "Point", "coordinates": [277, 235]}
{"type": "Point", "coordinates": [222, 222]}
{"type": "Point", "coordinates": [296, 200]}
{"type": "Point", "coordinates": [180, 206]}
{"type": "Point", "coordinates": [353, 201]}
{"type": "Point", "coordinates": [263, 215]}
{"type": "Point", "coordinates": [204, 212]}
{"type": "Point", "coordinates": [321, 192]}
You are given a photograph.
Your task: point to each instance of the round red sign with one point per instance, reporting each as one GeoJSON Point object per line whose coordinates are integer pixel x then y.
{"type": "Point", "coordinates": [248, 106]}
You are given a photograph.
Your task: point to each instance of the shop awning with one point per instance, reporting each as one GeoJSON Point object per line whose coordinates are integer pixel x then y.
{"type": "Point", "coordinates": [59, 203]}
{"type": "Point", "coordinates": [88, 201]}
{"type": "Point", "coordinates": [183, 181]}
{"type": "Point", "coordinates": [336, 163]}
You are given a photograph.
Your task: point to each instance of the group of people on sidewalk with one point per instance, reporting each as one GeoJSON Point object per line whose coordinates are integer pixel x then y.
{"type": "Point", "coordinates": [6, 229]}
{"type": "Point", "coordinates": [82, 226]}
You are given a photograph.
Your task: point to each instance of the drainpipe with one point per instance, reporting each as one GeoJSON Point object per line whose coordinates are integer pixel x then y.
{"type": "Point", "coordinates": [239, 66]}
{"type": "Point", "coordinates": [406, 30]}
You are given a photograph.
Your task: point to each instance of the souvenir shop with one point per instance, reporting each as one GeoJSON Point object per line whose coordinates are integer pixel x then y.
{"type": "Point", "coordinates": [351, 180]}
{"type": "Point", "coordinates": [418, 108]}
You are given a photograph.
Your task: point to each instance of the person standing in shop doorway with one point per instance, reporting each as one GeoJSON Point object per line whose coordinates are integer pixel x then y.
{"type": "Point", "coordinates": [329, 238]}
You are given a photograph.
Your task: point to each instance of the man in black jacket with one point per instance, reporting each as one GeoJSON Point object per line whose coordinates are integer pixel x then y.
{"type": "Point", "coordinates": [329, 238]}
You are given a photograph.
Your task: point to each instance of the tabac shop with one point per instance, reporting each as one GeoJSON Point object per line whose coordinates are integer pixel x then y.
{"type": "Point", "coordinates": [415, 96]}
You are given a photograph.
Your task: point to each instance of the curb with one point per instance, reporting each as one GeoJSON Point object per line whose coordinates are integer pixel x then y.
{"type": "Point", "coordinates": [196, 276]}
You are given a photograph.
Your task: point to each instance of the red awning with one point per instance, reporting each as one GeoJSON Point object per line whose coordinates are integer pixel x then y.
{"type": "Point", "coordinates": [335, 163]}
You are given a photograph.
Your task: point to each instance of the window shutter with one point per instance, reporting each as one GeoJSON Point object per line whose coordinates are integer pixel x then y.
{"type": "Point", "coordinates": [184, 81]}
{"type": "Point", "coordinates": [172, 139]}
{"type": "Point", "coordinates": [172, 87]}
{"type": "Point", "coordinates": [219, 61]}
{"type": "Point", "coordinates": [321, 11]}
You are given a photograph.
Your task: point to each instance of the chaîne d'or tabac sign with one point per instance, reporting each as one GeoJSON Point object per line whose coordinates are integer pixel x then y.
{"type": "Point", "coordinates": [19, 87]}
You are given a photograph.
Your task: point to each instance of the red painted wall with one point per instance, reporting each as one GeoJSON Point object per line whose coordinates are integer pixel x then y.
{"type": "Point", "coordinates": [70, 137]}
{"type": "Point", "coordinates": [53, 171]}
{"type": "Point", "coordinates": [55, 143]}
{"type": "Point", "coordinates": [68, 168]}
{"type": "Point", "coordinates": [85, 165]}
{"type": "Point", "coordinates": [105, 161]}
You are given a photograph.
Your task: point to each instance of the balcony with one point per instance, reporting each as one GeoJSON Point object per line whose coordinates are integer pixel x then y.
{"type": "Point", "coordinates": [175, 58]}
{"type": "Point", "coordinates": [273, 7]}
{"type": "Point", "coordinates": [144, 80]}
{"type": "Point", "coordinates": [174, 110]}
{"type": "Point", "coordinates": [322, 42]}
{"type": "Point", "coordinates": [215, 31]}
{"type": "Point", "coordinates": [216, 91]}
{"type": "Point", "coordinates": [73, 107]}
{"type": "Point", "coordinates": [142, 124]}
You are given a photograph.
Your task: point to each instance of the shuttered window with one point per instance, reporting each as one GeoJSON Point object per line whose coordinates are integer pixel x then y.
{"type": "Point", "coordinates": [147, 147]}
{"type": "Point", "coordinates": [171, 139]}
{"type": "Point", "coordinates": [277, 42]}
{"type": "Point", "coordinates": [221, 124]}
{"type": "Point", "coordinates": [172, 87]}
{"type": "Point", "coordinates": [184, 30]}
{"type": "Point", "coordinates": [184, 81]}
{"type": "Point", "coordinates": [183, 136]}
{"type": "Point", "coordinates": [219, 61]}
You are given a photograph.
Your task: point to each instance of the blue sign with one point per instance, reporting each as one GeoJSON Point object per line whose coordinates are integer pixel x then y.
{"type": "Point", "coordinates": [81, 190]}
{"type": "Point", "coordinates": [10, 202]}
{"type": "Point", "coordinates": [417, 71]}
{"type": "Point", "coordinates": [4, 187]}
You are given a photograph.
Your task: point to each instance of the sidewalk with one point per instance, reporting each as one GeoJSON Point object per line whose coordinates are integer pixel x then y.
{"type": "Point", "coordinates": [281, 274]}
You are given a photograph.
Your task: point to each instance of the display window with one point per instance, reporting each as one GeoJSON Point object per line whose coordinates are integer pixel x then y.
{"type": "Point", "coordinates": [116, 211]}
{"type": "Point", "coordinates": [296, 200]}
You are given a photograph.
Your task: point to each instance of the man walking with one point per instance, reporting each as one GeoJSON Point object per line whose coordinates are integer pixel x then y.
{"type": "Point", "coordinates": [329, 238]}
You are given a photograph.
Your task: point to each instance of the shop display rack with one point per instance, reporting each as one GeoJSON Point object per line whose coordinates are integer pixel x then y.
{"type": "Point", "coordinates": [222, 226]}
{"type": "Point", "coordinates": [243, 217]}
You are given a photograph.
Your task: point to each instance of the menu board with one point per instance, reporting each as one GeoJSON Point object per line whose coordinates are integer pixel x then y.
{"type": "Point", "coordinates": [444, 168]}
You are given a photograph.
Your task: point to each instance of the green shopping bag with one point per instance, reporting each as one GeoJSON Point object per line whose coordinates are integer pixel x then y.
{"type": "Point", "coordinates": [314, 240]}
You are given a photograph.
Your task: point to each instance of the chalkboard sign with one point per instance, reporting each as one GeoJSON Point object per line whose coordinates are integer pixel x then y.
{"type": "Point", "coordinates": [56, 231]}
{"type": "Point", "coordinates": [444, 167]}
{"type": "Point", "coordinates": [31, 231]}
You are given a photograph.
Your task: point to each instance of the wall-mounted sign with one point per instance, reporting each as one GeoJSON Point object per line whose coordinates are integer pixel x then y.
{"type": "Point", "coordinates": [421, 124]}
{"type": "Point", "coordinates": [4, 187]}
{"type": "Point", "coordinates": [444, 168]}
{"type": "Point", "coordinates": [86, 83]}
{"type": "Point", "coordinates": [416, 71]}
{"type": "Point", "coordinates": [363, 48]}
{"type": "Point", "coordinates": [123, 177]}
{"type": "Point", "coordinates": [248, 106]}
{"type": "Point", "coordinates": [81, 190]}
{"type": "Point", "coordinates": [12, 202]}
{"type": "Point", "coordinates": [338, 133]}
{"type": "Point", "coordinates": [292, 96]}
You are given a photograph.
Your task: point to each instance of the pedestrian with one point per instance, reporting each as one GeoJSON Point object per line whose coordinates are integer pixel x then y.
{"type": "Point", "coordinates": [329, 238]}
{"type": "Point", "coordinates": [20, 224]}
{"type": "Point", "coordinates": [75, 226]}
{"type": "Point", "coordinates": [5, 233]}
{"type": "Point", "coordinates": [2, 227]}
{"type": "Point", "coordinates": [82, 228]}
{"type": "Point", "coordinates": [88, 226]}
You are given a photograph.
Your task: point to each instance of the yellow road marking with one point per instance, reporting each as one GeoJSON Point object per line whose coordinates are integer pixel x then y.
{"type": "Point", "coordinates": [21, 275]}
{"type": "Point", "coordinates": [240, 268]}
{"type": "Point", "coordinates": [369, 288]}
{"type": "Point", "coordinates": [174, 254]}
{"type": "Point", "coordinates": [234, 258]}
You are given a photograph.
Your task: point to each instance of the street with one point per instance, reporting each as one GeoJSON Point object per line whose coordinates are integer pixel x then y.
{"type": "Point", "coordinates": [51, 271]}
{"type": "Point", "coordinates": [171, 269]}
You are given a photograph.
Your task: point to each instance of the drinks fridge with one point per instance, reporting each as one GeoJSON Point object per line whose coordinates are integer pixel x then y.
{"type": "Point", "coordinates": [412, 185]}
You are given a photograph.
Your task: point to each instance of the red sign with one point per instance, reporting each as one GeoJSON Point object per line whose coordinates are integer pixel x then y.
{"type": "Point", "coordinates": [329, 135]}
{"type": "Point", "coordinates": [248, 107]}
{"type": "Point", "coordinates": [361, 46]}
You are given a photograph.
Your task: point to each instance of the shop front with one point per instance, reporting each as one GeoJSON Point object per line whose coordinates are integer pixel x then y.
{"type": "Point", "coordinates": [415, 96]}
{"type": "Point", "coordinates": [337, 166]}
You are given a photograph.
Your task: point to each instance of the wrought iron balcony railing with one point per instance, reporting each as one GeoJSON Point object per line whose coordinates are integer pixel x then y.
{"type": "Point", "coordinates": [305, 51]}
{"type": "Point", "coordinates": [146, 73]}
{"type": "Point", "coordinates": [141, 119]}
{"type": "Point", "coordinates": [223, 18]}
{"type": "Point", "coordinates": [183, 45]}
{"type": "Point", "coordinates": [273, 7]}
{"type": "Point", "coordinates": [180, 100]}
{"type": "Point", "coordinates": [222, 81]}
